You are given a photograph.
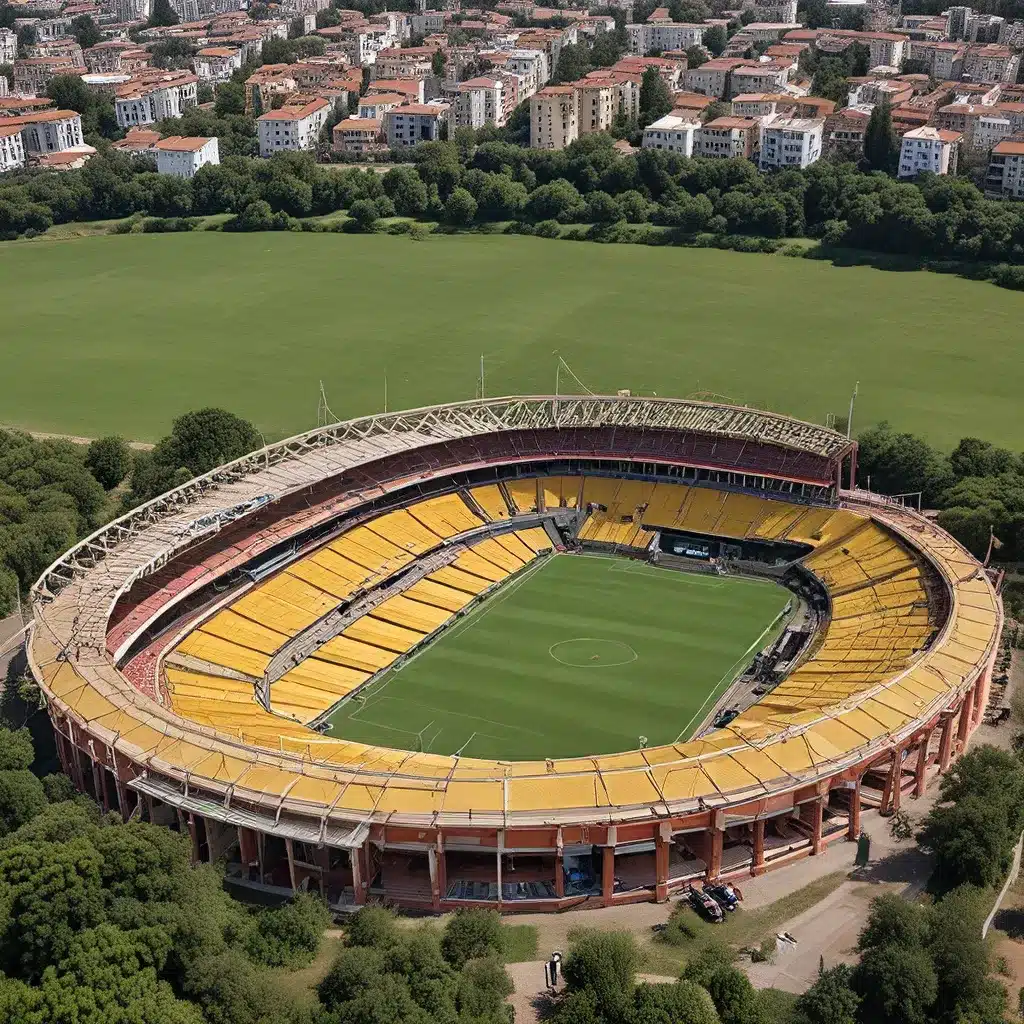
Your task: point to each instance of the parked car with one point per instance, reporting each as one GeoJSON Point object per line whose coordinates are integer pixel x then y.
{"type": "Point", "coordinates": [707, 907]}
{"type": "Point", "coordinates": [724, 895]}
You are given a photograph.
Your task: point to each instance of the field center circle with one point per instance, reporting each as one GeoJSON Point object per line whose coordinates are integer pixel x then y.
{"type": "Point", "coordinates": [592, 652]}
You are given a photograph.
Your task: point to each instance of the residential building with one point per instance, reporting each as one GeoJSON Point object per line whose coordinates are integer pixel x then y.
{"type": "Point", "coordinates": [153, 95]}
{"type": "Point", "coordinates": [49, 131]}
{"type": "Point", "coordinates": [140, 141]}
{"type": "Point", "coordinates": [183, 156]}
{"type": "Point", "coordinates": [844, 132]}
{"type": "Point", "coordinates": [215, 64]}
{"type": "Point", "coordinates": [554, 117]}
{"type": "Point", "coordinates": [267, 82]}
{"type": "Point", "coordinates": [945, 60]}
{"type": "Point", "coordinates": [595, 105]}
{"type": "Point", "coordinates": [532, 68]}
{"type": "Point", "coordinates": [885, 49]}
{"type": "Point", "coordinates": [956, 22]}
{"type": "Point", "coordinates": [781, 11]}
{"type": "Point", "coordinates": [1014, 113]}
{"type": "Point", "coordinates": [713, 77]}
{"type": "Point", "coordinates": [791, 142]}
{"type": "Point", "coordinates": [1005, 177]}
{"type": "Point", "coordinates": [992, 63]}
{"type": "Point", "coordinates": [728, 137]}
{"type": "Point", "coordinates": [292, 127]}
{"type": "Point", "coordinates": [32, 74]}
{"type": "Point", "coordinates": [962, 118]}
{"type": "Point", "coordinates": [376, 105]}
{"type": "Point", "coordinates": [878, 90]}
{"type": "Point", "coordinates": [673, 133]}
{"type": "Point", "coordinates": [769, 76]}
{"type": "Point", "coordinates": [409, 62]}
{"type": "Point", "coordinates": [929, 149]}
{"type": "Point", "coordinates": [769, 31]}
{"type": "Point", "coordinates": [8, 46]}
{"type": "Point", "coordinates": [357, 136]}
{"type": "Point", "coordinates": [12, 149]}
{"type": "Point", "coordinates": [648, 37]}
{"type": "Point", "coordinates": [478, 102]}
{"type": "Point", "coordinates": [413, 89]}
{"type": "Point", "coordinates": [414, 123]}
{"type": "Point", "coordinates": [4, 87]}
{"type": "Point", "coordinates": [990, 130]}
{"type": "Point", "coordinates": [763, 104]}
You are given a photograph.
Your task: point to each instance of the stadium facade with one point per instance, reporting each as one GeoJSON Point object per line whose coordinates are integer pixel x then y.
{"type": "Point", "coordinates": [190, 652]}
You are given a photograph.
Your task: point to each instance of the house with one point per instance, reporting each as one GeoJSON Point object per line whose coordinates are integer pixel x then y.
{"type": "Point", "coordinates": [292, 127]}
{"type": "Point", "coordinates": [215, 64]}
{"type": "Point", "coordinates": [153, 95]}
{"type": "Point", "coordinates": [412, 123]}
{"type": "Point", "coordinates": [554, 117]}
{"type": "Point", "coordinates": [791, 142]}
{"type": "Point", "coordinates": [1005, 177]}
{"type": "Point", "coordinates": [12, 149]}
{"type": "Point", "coordinates": [673, 133]}
{"type": "Point", "coordinates": [728, 137]}
{"type": "Point", "coordinates": [929, 149]}
{"type": "Point", "coordinates": [376, 105]}
{"type": "Point", "coordinates": [182, 157]}
{"type": "Point", "coordinates": [357, 136]}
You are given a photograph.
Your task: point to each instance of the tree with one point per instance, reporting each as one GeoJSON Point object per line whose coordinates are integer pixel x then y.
{"type": "Point", "coordinates": [407, 191]}
{"type": "Point", "coordinates": [229, 99]}
{"type": "Point", "coordinates": [655, 99]}
{"type": "Point", "coordinates": [109, 459]}
{"type": "Point", "coordinates": [603, 209]}
{"type": "Point", "coordinates": [374, 927]}
{"type": "Point", "coordinates": [16, 752]}
{"type": "Point", "coordinates": [471, 934]}
{"type": "Point", "coordinates": [21, 799]}
{"type": "Point", "coordinates": [899, 463]}
{"type": "Point", "coordinates": [363, 215]}
{"type": "Point", "coordinates": [573, 64]}
{"type": "Point", "coordinates": [85, 31]}
{"type": "Point", "coordinates": [734, 997]}
{"type": "Point", "coordinates": [830, 1000]}
{"type": "Point", "coordinates": [438, 61]}
{"type": "Point", "coordinates": [893, 921]}
{"type": "Point", "coordinates": [896, 984]}
{"type": "Point", "coordinates": [715, 40]}
{"type": "Point", "coordinates": [162, 14]}
{"type": "Point", "coordinates": [709, 960]}
{"type": "Point", "coordinates": [558, 200]}
{"type": "Point", "coordinates": [355, 969]}
{"type": "Point", "coordinates": [202, 440]}
{"type": "Point", "coordinates": [27, 36]}
{"type": "Point", "coordinates": [881, 152]}
{"type": "Point", "coordinates": [685, 1002]}
{"type": "Point", "coordinates": [695, 56]}
{"type": "Point", "coordinates": [604, 965]}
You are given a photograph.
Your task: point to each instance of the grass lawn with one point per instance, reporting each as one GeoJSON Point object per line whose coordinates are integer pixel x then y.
{"type": "Point", "coordinates": [581, 655]}
{"type": "Point", "coordinates": [123, 333]}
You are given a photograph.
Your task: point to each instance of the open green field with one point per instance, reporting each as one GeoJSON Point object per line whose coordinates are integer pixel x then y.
{"type": "Point", "coordinates": [580, 655]}
{"type": "Point", "coordinates": [123, 333]}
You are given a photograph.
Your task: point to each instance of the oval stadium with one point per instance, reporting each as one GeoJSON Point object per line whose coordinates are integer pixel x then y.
{"type": "Point", "coordinates": [531, 653]}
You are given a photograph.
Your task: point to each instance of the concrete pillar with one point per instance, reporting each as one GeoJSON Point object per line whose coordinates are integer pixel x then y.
{"type": "Point", "coordinates": [435, 895]}
{"type": "Point", "coordinates": [559, 867]}
{"type": "Point", "coordinates": [979, 702]}
{"type": "Point", "coordinates": [97, 784]}
{"type": "Point", "coordinates": [922, 765]}
{"type": "Point", "coordinates": [945, 740]}
{"type": "Point", "coordinates": [289, 847]}
{"type": "Point", "coordinates": [356, 858]}
{"type": "Point", "coordinates": [714, 868]}
{"type": "Point", "coordinates": [886, 805]}
{"type": "Point", "coordinates": [853, 829]}
{"type": "Point", "coordinates": [608, 872]}
{"type": "Point", "coordinates": [248, 849]}
{"type": "Point", "coordinates": [661, 852]}
{"type": "Point", "coordinates": [442, 868]}
{"type": "Point", "coordinates": [104, 786]}
{"type": "Point", "coordinates": [816, 815]}
{"type": "Point", "coordinates": [964, 724]}
{"type": "Point", "coordinates": [757, 864]}
{"type": "Point", "coordinates": [123, 799]}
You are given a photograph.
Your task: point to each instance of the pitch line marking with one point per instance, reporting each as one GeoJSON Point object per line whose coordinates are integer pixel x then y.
{"type": "Point", "coordinates": [597, 640]}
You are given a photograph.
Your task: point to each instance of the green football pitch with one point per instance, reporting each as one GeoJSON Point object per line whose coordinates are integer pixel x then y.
{"type": "Point", "coordinates": [121, 334]}
{"type": "Point", "coordinates": [577, 655]}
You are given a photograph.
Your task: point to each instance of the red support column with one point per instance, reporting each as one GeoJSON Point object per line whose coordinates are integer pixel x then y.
{"type": "Point", "coordinates": [757, 865]}
{"type": "Point", "coordinates": [559, 867]}
{"type": "Point", "coordinates": [897, 780]}
{"type": "Point", "coordinates": [979, 702]}
{"type": "Point", "coordinates": [608, 873]}
{"type": "Point", "coordinates": [812, 813]}
{"type": "Point", "coordinates": [661, 851]}
{"type": "Point", "coordinates": [853, 829]}
{"type": "Point", "coordinates": [964, 725]}
{"type": "Point", "coordinates": [946, 740]}
{"type": "Point", "coordinates": [442, 868]}
{"type": "Point", "coordinates": [922, 764]}
{"type": "Point", "coordinates": [356, 859]}
{"type": "Point", "coordinates": [97, 785]}
{"type": "Point", "coordinates": [885, 806]}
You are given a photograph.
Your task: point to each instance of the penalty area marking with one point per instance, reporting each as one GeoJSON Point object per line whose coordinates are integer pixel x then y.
{"type": "Point", "coordinates": [624, 653]}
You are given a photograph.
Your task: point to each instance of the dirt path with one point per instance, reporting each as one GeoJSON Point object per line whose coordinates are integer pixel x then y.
{"type": "Point", "coordinates": [43, 435]}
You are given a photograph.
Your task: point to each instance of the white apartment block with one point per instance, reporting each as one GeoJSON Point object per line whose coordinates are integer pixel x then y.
{"type": "Point", "coordinates": [992, 64]}
{"type": "Point", "coordinates": [4, 86]}
{"type": "Point", "coordinates": [672, 133]}
{"type": "Point", "coordinates": [791, 142]}
{"type": "Point", "coordinates": [647, 37]}
{"type": "Point", "coordinates": [357, 135]}
{"type": "Point", "coordinates": [182, 157]}
{"type": "Point", "coordinates": [478, 102]}
{"type": "Point", "coordinates": [413, 123]}
{"type": "Point", "coordinates": [766, 77]}
{"type": "Point", "coordinates": [48, 131]}
{"type": "Point", "coordinates": [12, 149]}
{"type": "Point", "coordinates": [532, 68]}
{"type": "Point", "coordinates": [929, 149]}
{"type": "Point", "coordinates": [215, 64]}
{"type": "Point", "coordinates": [8, 46]}
{"type": "Point", "coordinates": [989, 131]}
{"type": "Point", "coordinates": [596, 104]}
{"type": "Point", "coordinates": [710, 79]}
{"type": "Point", "coordinates": [782, 11]}
{"type": "Point", "coordinates": [292, 127]}
{"type": "Point", "coordinates": [554, 118]}
{"type": "Point", "coordinates": [728, 136]}
{"type": "Point", "coordinates": [1005, 175]}
{"type": "Point", "coordinates": [32, 74]}
{"type": "Point", "coordinates": [154, 96]}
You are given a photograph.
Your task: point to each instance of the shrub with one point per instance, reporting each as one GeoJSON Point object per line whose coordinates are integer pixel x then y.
{"type": "Point", "coordinates": [472, 934]}
{"type": "Point", "coordinates": [547, 229]}
{"type": "Point", "coordinates": [374, 927]}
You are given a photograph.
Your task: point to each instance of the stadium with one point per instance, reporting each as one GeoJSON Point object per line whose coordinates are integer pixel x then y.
{"type": "Point", "coordinates": [532, 653]}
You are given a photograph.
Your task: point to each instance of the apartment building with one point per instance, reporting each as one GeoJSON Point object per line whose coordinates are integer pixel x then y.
{"type": "Point", "coordinates": [885, 49]}
{"type": "Point", "coordinates": [49, 131]}
{"type": "Point", "coordinates": [844, 132]}
{"type": "Point", "coordinates": [929, 149]}
{"type": "Point", "coordinates": [292, 127]}
{"type": "Point", "coordinates": [673, 133]}
{"type": "Point", "coordinates": [153, 95]}
{"type": "Point", "coordinates": [33, 74]}
{"type": "Point", "coordinates": [532, 68]}
{"type": "Point", "coordinates": [357, 136]}
{"type": "Point", "coordinates": [8, 46]}
{"type": "Point", "coordinates": [992, 63]}
{"type": "Point", "coordinates": [375, 105]}
{"type": "Point", "coordinates": [12, 149]}
{"type": "Point", "coordinates": [554, 117]}
{"type": "Point", "coordinates": [764, 77]}
{"type": "Point", "coordinates": [595, 105]}
{"type": "Point", "coordinates": [945, 60]}
{"type": "Point", "coordinates": [182, 156]}
{"type": "Point", "coordinates": [962, 118]}
{"type": "Point", "coordinates": [414, 123]}
{"type": "Point", "coordinates": [267, 82]}
{"type": "Point", "coordinates": [791, 142]}
{"type": "Point", "coordinates": [649, 37]}
{"type": "Point", "coordinates": [1005, 177]}
{"type": "Point", "coordinates": [713, 78]}
{"type": "Point", "coordinates": [409, 62]}
{"type": "Point", "coordinates": [626, 86]}
{"type": "Point", "coordinates": [990, 130]}
{"type": "Point", "coordinates": [215, 64]}
{"type": "Point", "coordinates": [728, 136]}
{"type": "Point", "coordinates": [482, 100]}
